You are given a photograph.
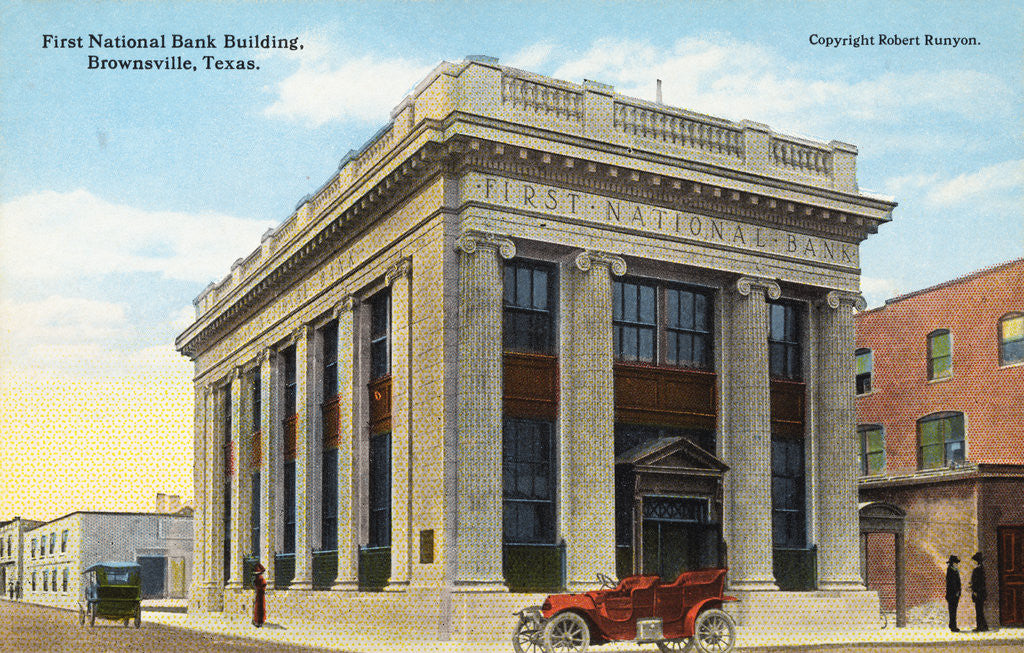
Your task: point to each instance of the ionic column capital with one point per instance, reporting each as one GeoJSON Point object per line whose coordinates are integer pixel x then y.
{"type": "Point", "coordinates": [471, 239]}
{"type": "Point", "coordinates": [237, 372]}
{"type": "Point", "coordinates": [344, 305]}
{"type": "Point", "coordinates": [262, 356]}
{"type": "Point", "coordinates": [835, 298]}
{"type": "Point", "coordinates": [401, 269]}
{"type": "Point", "coordinates": [745, 285]}
{"type": "Point", "coordinates": [585, 261]}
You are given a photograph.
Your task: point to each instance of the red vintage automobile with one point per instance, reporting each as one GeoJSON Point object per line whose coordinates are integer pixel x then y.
{"type": "Point", "coordinates": [684, 615]}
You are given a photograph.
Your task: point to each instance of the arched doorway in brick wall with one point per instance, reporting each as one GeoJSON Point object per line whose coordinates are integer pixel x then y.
{"type": "Point", "coordinates": [882, 527]}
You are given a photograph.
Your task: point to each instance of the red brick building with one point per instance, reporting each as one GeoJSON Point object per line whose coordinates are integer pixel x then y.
{"type": "Point", "coordinates": [940, 411]}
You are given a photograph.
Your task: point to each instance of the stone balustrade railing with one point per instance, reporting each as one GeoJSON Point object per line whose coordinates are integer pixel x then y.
{"type": "Point", "coordinates": [590, 110]}
{"type": "Point", "coordinates": [807, 159]}
{"type": "Point", "coordinates": [677, 129]}
{"type": "Point", "coordinates": [541, 98]}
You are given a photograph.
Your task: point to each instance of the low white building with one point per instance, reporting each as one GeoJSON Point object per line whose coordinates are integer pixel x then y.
{"type": "Point", "coordinates": [12, 553]}
{"type": "Point", "coordinates": [56, 553]}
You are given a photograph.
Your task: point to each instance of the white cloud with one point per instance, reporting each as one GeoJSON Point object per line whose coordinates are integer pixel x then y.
{"type": "Point", "coordinates": [1000, 178]}
{"type": "Point", "coordinates": [327, 87]}
{"type": "Point", "coordinates": [876, 290]}
{"type": "Point", "coordinates": [52, 236]}
{"type": "Point", "coordinates": [532, 57]}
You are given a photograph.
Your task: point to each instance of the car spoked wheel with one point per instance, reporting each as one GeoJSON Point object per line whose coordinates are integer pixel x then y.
{"type": "Point", "coordinates": [714, 632]}
{"type": "Point", "coordinates": [681, 645]}
{"type": "Point", "coordinates": [567, 632]}
{"type": "Point", "coordinates": [528, 637]}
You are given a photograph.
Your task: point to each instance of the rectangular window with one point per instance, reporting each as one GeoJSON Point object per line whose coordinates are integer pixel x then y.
{"type": "Point", "coordinates": [380, 490]}
{"type": "Point", "coordinates": [33, 547]}
{"type": "Point", "coordinates": [290, 384]}
{"type": "Point", "coordinates": [330, 357]}
{"type": "Point", "coordinates": [661, 323]}
{"type": "Point", "coordinates": [53, 542]}
{"type": "Point", "coordinates": [254, 516]}
{"type": "Point", "coordinates": [940, 355]}
{"type": "Point", "coordinates": [63, 541]}
{"type": "Point", "coordinates": [635, 321]}
{"type": "Point", "coordinates": [529, 308]}
{"type": "Point", "coordinates": [1011, 339]}
{"type": "Point", "coordinates": [529, 478]}
{"type": "Point", "coordinates": [329, 501]}
{"type": "Point", "coordinates": [865, 368]}
{"type": "Point", "coordinates": [940, 440]}
{"type": "Point", "coordinates": [789, 514]}
{"type": "Point", "coordinates": [784, 341]}
{"type": "Point", "coordinates": [687, 328]}
{"type": "Point", "coordinates": [380, 335]}
{"type": "Point", "coordinates": [872, 450]}
{"type": "Point", "coordinates": [289, 506]}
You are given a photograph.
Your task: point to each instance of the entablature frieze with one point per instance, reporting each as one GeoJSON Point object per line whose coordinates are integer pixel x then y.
{"type": "Point", "coordinates": [771, 204]}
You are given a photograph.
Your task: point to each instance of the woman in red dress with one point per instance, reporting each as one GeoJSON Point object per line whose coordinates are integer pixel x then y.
{"type": "Point", "coordinates": [259, 603]}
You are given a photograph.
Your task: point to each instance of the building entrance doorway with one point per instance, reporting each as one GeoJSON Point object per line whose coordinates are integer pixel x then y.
{"type": "Point", "coordinates": [668, 508]}
{"type": "Point", "coordinates": [1011, 575]}
{"type": "Point", "coordinates": [677, 536]}
{"type": "Point", "coordinates": [154, 573]}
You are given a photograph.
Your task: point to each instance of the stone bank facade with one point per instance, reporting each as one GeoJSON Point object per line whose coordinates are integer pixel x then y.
{"type": "Point", "coordinates": [533, 331]}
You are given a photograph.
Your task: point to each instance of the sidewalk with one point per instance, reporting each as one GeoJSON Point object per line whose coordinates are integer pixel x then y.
{"type": "Point", "coordinates": [324, 637]}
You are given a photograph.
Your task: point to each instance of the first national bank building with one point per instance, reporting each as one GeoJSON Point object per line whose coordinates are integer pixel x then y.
{"type": "Point", "coordinates": [533, 331]}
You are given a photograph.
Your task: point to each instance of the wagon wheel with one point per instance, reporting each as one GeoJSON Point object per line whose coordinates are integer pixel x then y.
{"type": "Point", "coordinates": [567, 632]}
{"type": "Point", "coordinates": [526, 638]}
{"type": "Point", "coordinates": [681, 645]}
{"type": "Point", "coordinates": [126, 622]}
{"type": "Point", "coordinates": [92, 615]}
{"type": "Point", "coordinates": [714, 632]}
{"type": "Point", "coordinates": [138, 616]}
{"type": "Point", "coordinates": [81, 615]}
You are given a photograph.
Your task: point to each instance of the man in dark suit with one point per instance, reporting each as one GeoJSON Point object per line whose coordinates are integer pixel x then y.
{"type": "Point", "coordinates": [978, 593]}
{"type": "Point", "coordinates": [952, 590]}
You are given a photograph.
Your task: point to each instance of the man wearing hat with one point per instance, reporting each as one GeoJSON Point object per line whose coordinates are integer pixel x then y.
{"type": "Point", "coordinates": [952, 590]}
{"type": "Point", "coordinates": [978, 593]}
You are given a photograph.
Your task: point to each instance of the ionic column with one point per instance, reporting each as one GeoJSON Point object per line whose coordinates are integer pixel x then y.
{"type": "Point", "coordinates": [750, 553]}
{"type": "Point", "coordinates": [215, 492]}
{"type": "Point", "coordinates": [587, 475]}
{"type": "Point", "coordinates": [270, 460]}
{"type": "Point", "coordinates": [234, 580]}
{"type": "Point", "coordinates": [399, 277]}
{"type": "Point", "coordinates": [479, 522]}
{"type": "Point", "coordinates": [838, 519]}
{"type": "Point", "coordinates": [348, 549]}
{"type": "Point", "coordinates": [304, 492]}
{"type": "Point", "coordinates": [200, 464]}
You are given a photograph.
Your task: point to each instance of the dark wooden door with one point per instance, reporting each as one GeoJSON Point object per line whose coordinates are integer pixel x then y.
{"type": "Point", "coordinates": [1011, 575]}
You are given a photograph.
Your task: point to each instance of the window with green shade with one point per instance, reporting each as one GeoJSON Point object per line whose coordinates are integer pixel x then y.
{"type": "Point", "coordinates": [865, 370]}
{"type": "Point", "coordinates": [872, 449]}
{"type": "Point", "coordinates": [940, 354]}
{"type": "Point", "coordinates": [1011, 339]}
{"type": "Point", "coordinates": [940, 440]}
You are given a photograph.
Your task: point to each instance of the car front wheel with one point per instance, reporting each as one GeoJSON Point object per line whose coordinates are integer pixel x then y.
{"type": "Point", "coordinates": [527, 637]}
{"type": "Point", "coordinates": [567, 632]}
{"type": "Point", "coordinates": [714, 632]}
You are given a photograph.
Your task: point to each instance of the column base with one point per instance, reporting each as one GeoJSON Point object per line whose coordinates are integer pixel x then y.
{"type": "Point", "coordinates": [397, 586]}
{"type": "Point", "coordinates": [753, 586]}
{"type": "Point", "coordinates": [841, 585]}
{"type": "Point", "coordinates": [345, 584]}
{"type": "Point", "coordinates": [233, 585]}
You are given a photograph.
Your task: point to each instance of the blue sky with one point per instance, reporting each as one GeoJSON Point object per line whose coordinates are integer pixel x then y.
{"type": "Point", "coordinates": [123, 194]}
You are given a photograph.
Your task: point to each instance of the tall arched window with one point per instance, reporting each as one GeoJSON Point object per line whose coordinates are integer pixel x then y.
{"type": "Point", "coordinates": [1011, 339]}
{"type": "Point", "coordinates": [940, 354]}
{"type": "Point", "coordinates": [940, 440]}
